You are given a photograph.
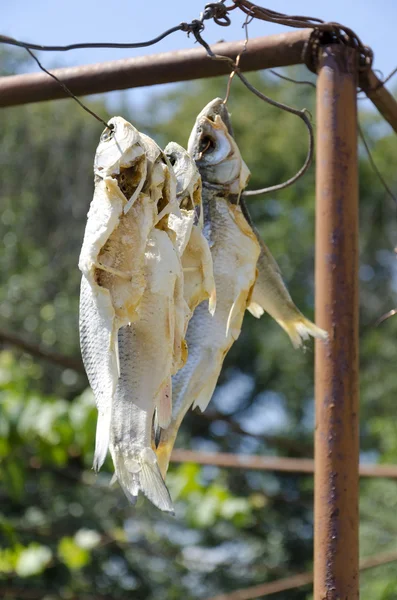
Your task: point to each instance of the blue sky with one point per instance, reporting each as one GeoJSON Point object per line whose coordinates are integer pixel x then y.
{"type": "Point", "coordinates": [68, 21]}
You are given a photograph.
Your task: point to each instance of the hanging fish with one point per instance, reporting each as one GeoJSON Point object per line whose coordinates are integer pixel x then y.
{"type": "Point", "coordinates": [235, 251]}
{"type": "Point", "coordinates": [191, 244]}
{"type": "Point", "coordinates": [270, 293]}
{"type": "Point", "coordinates": [152, 346]}
{"type": "Point", "coordinates": [112, 262]}
{"type": "Point", "coordinates": [160, 181]}
{"type": "Point", "coordinates": [146, 349]}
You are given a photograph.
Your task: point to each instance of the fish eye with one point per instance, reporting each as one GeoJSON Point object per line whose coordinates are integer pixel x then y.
{"type": "Point", "coordinates": [207, 145]}
{"type": "Point", "coordinates": [108, 133]}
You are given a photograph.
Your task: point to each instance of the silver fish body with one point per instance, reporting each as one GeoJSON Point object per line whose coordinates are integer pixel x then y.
{"type": "Point", "coordinates": [235, 252]}
{"type": "Point", "coordinates": [146, 349]}
{"type": "Point", "coordinates": [107, 274]}
{"type": "Point", "coordinates": [269, 293]}
{"type": "Point", "coordinates": [134, 189]}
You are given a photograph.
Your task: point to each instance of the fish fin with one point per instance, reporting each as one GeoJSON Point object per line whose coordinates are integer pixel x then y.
{"type": "Point", "coordinates": [255, 309]}
{"type": "Point", "coordinates": [204, 397]}
{"type": "Point", "coordinates": [164, 404]}
{"type": "Point", "coordinates": [101, 439]}
{"type": "Point", "coordinates": [153, 486]}
{"type": "Point", "coordinates": [140, 473]}
{"type": "Point", "coordinates": [113, 480]}
{"type": "Point", "coordinates": [204, 387]}
{"type": "Point", "coordinates": [300, 330]}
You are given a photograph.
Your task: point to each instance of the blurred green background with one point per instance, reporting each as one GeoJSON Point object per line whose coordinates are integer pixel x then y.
{"type": "Point", "coordinates": [64, 533]}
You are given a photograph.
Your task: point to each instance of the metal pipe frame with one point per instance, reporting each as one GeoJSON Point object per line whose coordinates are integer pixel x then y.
{"type": "Point", "coordinates": [336, 437]}
{"type": "Point", "coordinates": [273, 51]}
{"type": "Point", "coordinates": [278, 464]}
{"type": "Point", "coordinates": [336, 362]}
{"type": "Point", "coordinates": [281, 50]}
{"type": "Point", "coordinates": [296, 581]}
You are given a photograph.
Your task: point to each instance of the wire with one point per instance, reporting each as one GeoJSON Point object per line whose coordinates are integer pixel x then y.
{"type": "Point", "coordinates": [302, 114]}
{"type": "Point", "coordinates": [361, 134]}
{"type": "Point", "coordinates": [69, 92]}
{"type": "Point", "coordinates": [389, 76]}
{"type": "Point", "coordinates": [331, 31]}
{"type": "Point", "coordinates": [304, 82]}
{"type": "Point", "coordinates": [385, 316]}
{"type": "Point", "coordinates": [213, 10]}
{"type": "Point", "coordinates": [237, 62]}
{"type": "Point", "coordinates": [29, 46]}
{"type": "Point", "coordinates": [374, 166]}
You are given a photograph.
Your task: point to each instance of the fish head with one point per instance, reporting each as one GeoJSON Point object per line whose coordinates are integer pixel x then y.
{"type": "Point", "coordinates": [212, 146]}
{"type": "Point", "coordinates": [188, 179]}
{"type": "Point", "coordinates": [119, 148]}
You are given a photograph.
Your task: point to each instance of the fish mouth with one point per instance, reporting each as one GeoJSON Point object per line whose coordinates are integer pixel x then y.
{"type": "Point", "coordinates": [214, 108]}
{"type": "Point", "coordinates": [212, 124]}
{"type": "Point", "coordinates": [211, 144]}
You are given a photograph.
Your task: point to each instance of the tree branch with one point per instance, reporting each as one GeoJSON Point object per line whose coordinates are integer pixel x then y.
{"type": "Point", "coordinates": [67, 362]}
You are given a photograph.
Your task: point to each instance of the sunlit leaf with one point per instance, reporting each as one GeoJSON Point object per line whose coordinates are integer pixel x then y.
{"type": "Point", "coordinates": [73, 555]}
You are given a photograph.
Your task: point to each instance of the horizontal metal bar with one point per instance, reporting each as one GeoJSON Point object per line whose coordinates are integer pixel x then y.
{"type": "Point", "coordinates": [380, 96]}
{"type": "Point", "coordinates": [269, 463]}
{"type": "Point", "coordinates": [297, 581]}
{"type": "Point", "coordinates": [264, 52]}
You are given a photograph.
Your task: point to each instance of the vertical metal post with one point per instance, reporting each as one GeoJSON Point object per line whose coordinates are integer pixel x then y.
{"type": "Point", "coordinates": [336, 365]}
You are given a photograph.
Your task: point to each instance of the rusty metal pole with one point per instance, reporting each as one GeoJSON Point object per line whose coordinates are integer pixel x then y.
{"type": "Point", "coordinates": [336, 365]}
{"type": "Point", "coordinates": [192, 63]}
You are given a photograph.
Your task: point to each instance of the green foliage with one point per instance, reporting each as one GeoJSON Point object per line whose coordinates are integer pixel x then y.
{"type": "Point", "coordinates": [72, 554]}
{"type": "Point", "coordinates": [25, 561]}
{"type": "Point", "coordinates": [207, 504]}
{"type": "Point", "coordinates": [63, 530]}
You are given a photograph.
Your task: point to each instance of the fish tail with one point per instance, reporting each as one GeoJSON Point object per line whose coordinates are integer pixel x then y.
{"type": "Point", "coordinates": [101, 439]}
{"type": "Point", "coordinates": [141, 473]}
{"type": "Point", "coordinates": [300, 329]}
